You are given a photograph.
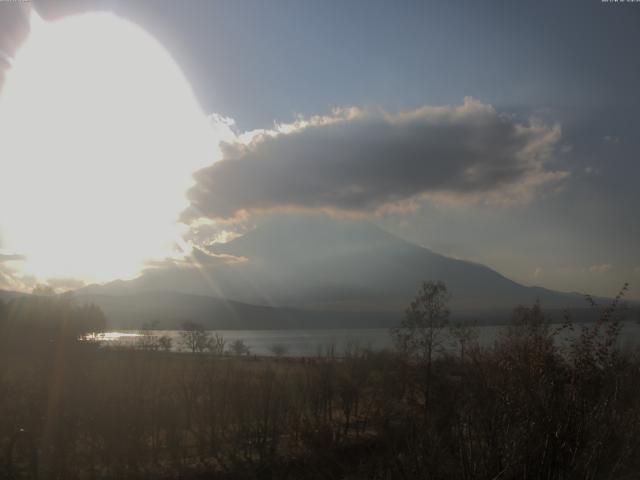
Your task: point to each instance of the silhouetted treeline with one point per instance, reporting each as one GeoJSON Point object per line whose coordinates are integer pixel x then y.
{"type": "Point", "coordinates": [528, 407]}
{"type": "Point", "coordinates": [36, 322]}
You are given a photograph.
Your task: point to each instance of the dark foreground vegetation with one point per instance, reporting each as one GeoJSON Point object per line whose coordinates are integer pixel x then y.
{"type": "Point", "coordinates": [530, 407]}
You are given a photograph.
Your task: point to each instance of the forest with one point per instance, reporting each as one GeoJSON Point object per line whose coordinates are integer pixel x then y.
{"type": "Point", "coordinates": [530, 406]}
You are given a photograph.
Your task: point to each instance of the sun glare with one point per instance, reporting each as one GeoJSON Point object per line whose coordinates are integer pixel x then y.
{"type": "Point", "coordinates": [99, 136]}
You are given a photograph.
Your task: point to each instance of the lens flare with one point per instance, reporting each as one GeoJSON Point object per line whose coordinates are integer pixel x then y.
{"type": "Point", "coordinates": [99, 136]}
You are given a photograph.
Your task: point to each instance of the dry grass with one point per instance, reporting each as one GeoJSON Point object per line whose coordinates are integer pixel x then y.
{"type": "Point", "coordinates": [527, 407]}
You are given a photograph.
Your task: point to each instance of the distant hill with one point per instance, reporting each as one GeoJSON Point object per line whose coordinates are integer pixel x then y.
{"type": "Point", "coordinates": [170, 309]}
{"type": "Point", "coordinates": [313, 271]}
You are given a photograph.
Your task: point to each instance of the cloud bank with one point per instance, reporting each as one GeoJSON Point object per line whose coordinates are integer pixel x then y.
{"type": "Point", "coordinates": [359, 161]}
{"type": "Point", "coordinates": [9, 275]}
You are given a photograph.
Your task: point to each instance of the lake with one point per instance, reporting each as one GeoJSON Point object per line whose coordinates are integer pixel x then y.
{"type": "Point", "coordinates": [303, 343]}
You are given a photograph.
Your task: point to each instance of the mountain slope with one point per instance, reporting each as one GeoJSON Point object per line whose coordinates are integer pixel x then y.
{"type": "Point", "coordinates": [325, 264]}
{"type": "Point", "coordinates": [169, 309]}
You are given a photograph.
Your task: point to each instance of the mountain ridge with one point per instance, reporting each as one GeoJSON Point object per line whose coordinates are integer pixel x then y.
{"type": "Point", "coordinates": [330, 270]}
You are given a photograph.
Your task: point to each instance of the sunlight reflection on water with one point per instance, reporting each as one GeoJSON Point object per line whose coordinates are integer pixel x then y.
{"type": "Point", "coordinates": [302, 343]}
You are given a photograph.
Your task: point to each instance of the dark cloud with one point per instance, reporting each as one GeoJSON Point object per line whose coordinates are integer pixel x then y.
{"type": "Point", "coordinates": [361, 161]}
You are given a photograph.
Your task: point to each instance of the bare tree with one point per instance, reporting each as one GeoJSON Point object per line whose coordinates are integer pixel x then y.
{"type": "Point", "coordinates": [238, 347]}
{"type": "Point", "coordinates": [421, 331]}
{"type": "Point", "coordinates": [165, 342]}
{"type": "Point", "coordinates": [464, 337]}
{"type": "Point", "coordinates": [217, 344]}
{"type": "Point", "coordinates": [148, 339]}
{"type": "Point", "coordinates": [194, 337]}
{"type": "Point", "coordinates": [278, 349]}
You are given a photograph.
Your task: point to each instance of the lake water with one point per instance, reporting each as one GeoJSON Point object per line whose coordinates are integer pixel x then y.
{"type": "Point", "coordinates": [302, 343]}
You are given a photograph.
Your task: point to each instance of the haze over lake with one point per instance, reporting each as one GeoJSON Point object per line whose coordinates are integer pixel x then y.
{"type": "Point", "coordinates": [308, 343]}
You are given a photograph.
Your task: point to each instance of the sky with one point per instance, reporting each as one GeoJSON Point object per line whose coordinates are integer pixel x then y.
{"type": "Point", "coordinates": [543, 185]}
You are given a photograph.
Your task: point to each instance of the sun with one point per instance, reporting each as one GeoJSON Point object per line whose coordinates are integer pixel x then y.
{"type": "Point", "coordinates": [99, 136]}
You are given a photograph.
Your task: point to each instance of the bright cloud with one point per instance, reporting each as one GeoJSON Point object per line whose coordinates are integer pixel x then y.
{"type": "Point", "coordinates": [603, 268]}
{"type": "Point", "coordinates": [537, 272]}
